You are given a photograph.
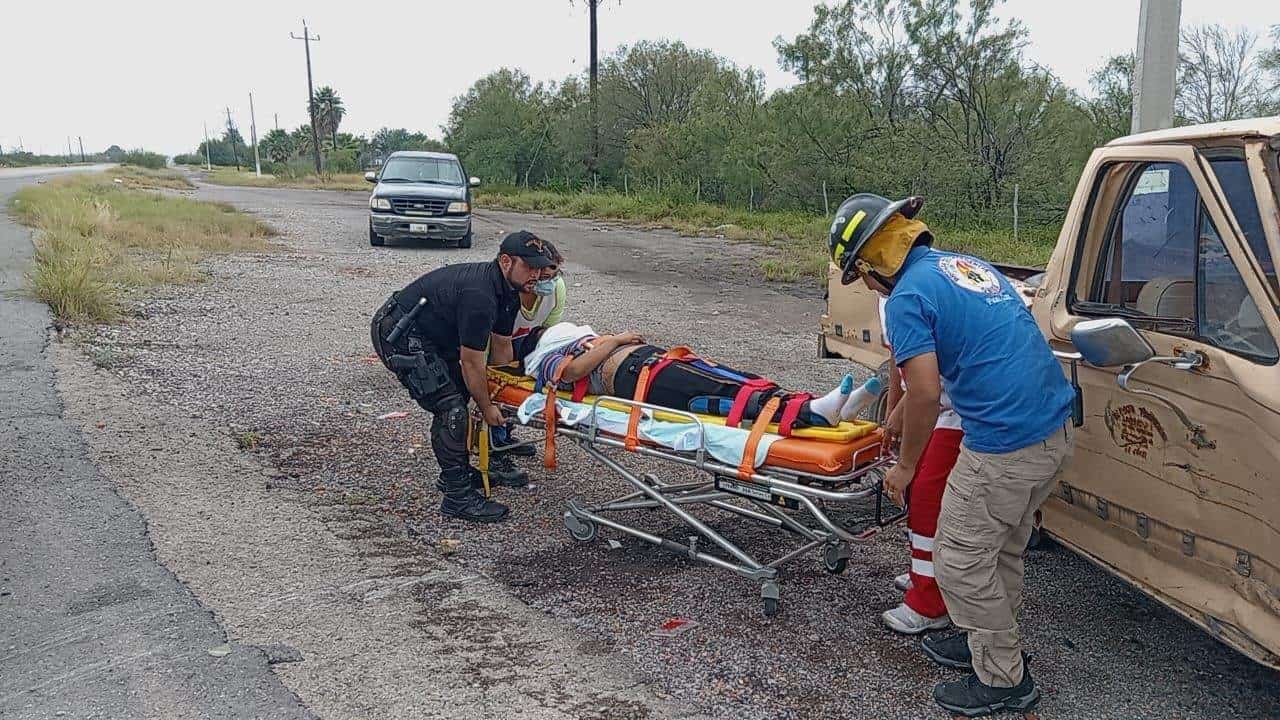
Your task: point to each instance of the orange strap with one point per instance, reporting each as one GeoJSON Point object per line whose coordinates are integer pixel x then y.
{"type": "Point", "coordinates": [632, 439]}
{"type": "Point", "coordinates": [549, 418]}
{"type": "Point", "coordinates": [747, 467]}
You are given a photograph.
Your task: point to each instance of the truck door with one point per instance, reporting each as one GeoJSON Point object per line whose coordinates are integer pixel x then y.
{"type": "Point", "coordinates": [1175, 484]}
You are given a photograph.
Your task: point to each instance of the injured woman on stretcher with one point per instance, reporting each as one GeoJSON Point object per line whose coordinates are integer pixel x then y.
{"type": "Point", "coordinates": [583, 362]}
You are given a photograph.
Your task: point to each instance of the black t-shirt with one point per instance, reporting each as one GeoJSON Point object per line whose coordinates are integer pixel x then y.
{"type": "Point", "coordinates": [465, 303]}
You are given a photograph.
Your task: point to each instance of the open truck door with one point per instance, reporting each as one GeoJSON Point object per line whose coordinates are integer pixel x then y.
{"type": "Point", "coordinates": [1175, 482]}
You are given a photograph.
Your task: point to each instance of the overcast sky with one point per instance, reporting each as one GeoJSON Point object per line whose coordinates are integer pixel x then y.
{"type": "Point", "coordinates": [148, 74]}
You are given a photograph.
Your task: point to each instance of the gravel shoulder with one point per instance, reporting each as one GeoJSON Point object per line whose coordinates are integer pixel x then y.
{"type": "Point", "coordinates": [325, 537]}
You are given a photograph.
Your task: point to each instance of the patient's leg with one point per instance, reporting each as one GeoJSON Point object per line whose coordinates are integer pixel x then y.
{"type": "Point", "coordinates": [828, 406]}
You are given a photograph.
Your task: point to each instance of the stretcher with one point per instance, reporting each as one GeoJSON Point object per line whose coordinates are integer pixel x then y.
{"type": "Point", "coordinates": [804, 479]}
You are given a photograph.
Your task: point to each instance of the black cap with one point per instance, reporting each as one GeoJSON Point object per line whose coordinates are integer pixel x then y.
{"type": "Point", "coordinates": [535, 251]}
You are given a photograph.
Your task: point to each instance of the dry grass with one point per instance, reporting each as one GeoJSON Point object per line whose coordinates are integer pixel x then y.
{"type": "Point", "coordinates": [99, 239]}
{"type": "Point", "coordinates": [798, 240]}
{"type": "Point", "coordinates": [230, 176]}
{"type": "Point", "coordinates": [140, 178]}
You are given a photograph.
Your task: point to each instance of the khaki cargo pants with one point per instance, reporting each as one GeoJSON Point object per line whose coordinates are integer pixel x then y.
{"type": "Point", "coordinates": [987, 513]}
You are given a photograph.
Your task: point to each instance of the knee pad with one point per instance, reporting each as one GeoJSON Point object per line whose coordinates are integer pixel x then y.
{"type": "Point", "coordinates": [449, 431]}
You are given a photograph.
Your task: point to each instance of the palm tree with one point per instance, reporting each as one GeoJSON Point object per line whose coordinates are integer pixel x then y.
{"type": "Point", "coordinates": [278, 145]}
{"type": "Point", "coordinates": [329, 112]}
{"type": "Point", "coordinates": [302, 139]}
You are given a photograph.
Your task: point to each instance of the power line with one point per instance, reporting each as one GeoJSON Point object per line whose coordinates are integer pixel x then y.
{"type": "Point", "coordinates": [311, 95]}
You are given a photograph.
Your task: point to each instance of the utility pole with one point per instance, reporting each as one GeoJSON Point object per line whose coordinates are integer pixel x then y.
{"type": "Point", "coordinates": [1156, 65]}
{"type": "Point", "coordinates": [70, 155]}
{"type": "Point", "coordinates": [277, 116]}
{"type": "Point", "coordinates": [231, 138]}
{"type": "Point", "coordinates": [595, 113]}
{"type": "Point", "coordinates": [311, 94]}
{"type": "Point", "coordinates": [81, 147]}
{"type": "Point", "coordinates": [207, 165]}
{"type": "Point", "coordinates": [253, 132]}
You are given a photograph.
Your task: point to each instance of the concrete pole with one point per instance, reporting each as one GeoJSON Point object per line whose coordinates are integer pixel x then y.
{"type": "Point", "coordinates": [1155, 69]}
{"type": "Point", "coordinates": [207, 164]}
{"type": "Point", "coordinates": [253, 133]}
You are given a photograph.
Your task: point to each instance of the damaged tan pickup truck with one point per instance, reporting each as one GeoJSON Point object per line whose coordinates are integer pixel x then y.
{"type": "Point", "coordinates": [1164, 280]}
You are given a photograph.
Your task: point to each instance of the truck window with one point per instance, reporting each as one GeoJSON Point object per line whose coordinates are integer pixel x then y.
{"type": "Point", "coordinates": [1233, 176]}
{"type": "Point", "coordinates": [1229, 319]}
{"type": "Point", "coordinates": [1149, 264]}
{"type": "Point", "coordinates": [1165, 267]}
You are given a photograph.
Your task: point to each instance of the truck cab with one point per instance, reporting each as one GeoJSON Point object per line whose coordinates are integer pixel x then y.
{"type": "Point", "coordinates": [1169, 246]}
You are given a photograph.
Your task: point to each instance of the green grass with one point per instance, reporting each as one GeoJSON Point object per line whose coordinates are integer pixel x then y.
{"type": "Point", "coordinates": [248, 440]}
{"type": "Point", "coordinates": [797, 240]}
{"type": "Point", "coordinates": [98, 239]}
{"type": "Point", "coordinates": [230, 176]}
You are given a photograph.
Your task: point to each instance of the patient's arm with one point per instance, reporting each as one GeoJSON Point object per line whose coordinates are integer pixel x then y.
{"type": "Point", "coordinates": [582, 365]}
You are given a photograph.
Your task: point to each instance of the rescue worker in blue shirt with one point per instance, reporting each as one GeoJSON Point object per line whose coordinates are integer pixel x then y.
{"type": "Point", "coordinates": [956, 322]}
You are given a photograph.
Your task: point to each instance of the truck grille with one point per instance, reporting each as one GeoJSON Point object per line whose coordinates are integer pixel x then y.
{"type": "Point", "coordinates": [419, 207]}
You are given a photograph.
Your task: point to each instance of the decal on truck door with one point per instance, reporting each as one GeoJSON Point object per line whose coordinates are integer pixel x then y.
{"type": "Point", "coordinates": [1134, 429]}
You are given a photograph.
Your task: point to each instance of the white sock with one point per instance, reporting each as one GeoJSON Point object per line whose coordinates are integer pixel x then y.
{"type": "Point", "coordinates": [828, 406]}
{"type": "Point", "coordinates": [859, 399]}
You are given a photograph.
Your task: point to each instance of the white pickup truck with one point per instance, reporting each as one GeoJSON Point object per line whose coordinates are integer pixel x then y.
{"type": "Point", "coordinates": [1175, 483]}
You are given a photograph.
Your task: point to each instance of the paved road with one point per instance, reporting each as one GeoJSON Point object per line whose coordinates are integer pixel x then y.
{"type": "Point", "coordinates": [91, 626]}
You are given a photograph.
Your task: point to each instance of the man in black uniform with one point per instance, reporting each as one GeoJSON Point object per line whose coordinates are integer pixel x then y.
{"type": "Point", "coordinates": [436, 335]}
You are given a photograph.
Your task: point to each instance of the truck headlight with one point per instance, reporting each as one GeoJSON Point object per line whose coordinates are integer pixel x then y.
{"type": "Point", "coordinates": [377, 203]}
{"type": "Point", "coordinates": [458, 207]}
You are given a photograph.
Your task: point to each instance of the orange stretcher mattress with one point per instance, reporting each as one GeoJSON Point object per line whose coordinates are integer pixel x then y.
{"type": "Point", "coordinates": [821, 457]}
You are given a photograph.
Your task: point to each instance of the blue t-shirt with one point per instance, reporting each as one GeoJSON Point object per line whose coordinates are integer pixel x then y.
{"type": "Point", "coordinates": [1004, 382]}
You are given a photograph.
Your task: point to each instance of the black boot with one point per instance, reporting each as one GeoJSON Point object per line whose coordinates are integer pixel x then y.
{"type": "Point", "coordinates": [952, 651]}
{"type": "Point", "coordinates": [971, 698]}
{"type": "Point", "coordinates": [463, 502]}
{"type": "Point", "coordinates": [502, 472]}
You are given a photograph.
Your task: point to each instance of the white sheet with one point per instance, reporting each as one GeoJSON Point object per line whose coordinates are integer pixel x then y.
{"type": "Point", "coordinates": [725, 444]}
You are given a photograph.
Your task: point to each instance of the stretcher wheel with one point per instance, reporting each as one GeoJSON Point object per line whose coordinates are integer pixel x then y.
{"type": "Point", "coordinates": [770, 607]}
{"type": "Point", "coordinates": [581, 529]}
{"type": "Point", "coordinates": [834, 561]}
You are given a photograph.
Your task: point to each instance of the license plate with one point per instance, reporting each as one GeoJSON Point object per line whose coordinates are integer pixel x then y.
{"type": "Point", "coordinates": [418, 227]}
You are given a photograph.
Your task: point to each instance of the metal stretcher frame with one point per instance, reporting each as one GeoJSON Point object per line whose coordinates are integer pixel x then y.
{"type": "Point", "coordinates": [770, 493]}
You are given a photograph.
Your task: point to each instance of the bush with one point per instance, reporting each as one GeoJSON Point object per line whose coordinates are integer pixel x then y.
{"type": "Point", "coordinates": [343, 161]}
{"type": "Point", "coordinates": [142, 158]}
{"type": "Point", "coordinates": [188, 159]}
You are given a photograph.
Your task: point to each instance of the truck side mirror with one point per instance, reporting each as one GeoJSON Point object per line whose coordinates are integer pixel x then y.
{"type": "Point", "coordinates": [475, 182]}
{"type": "Point", "coordinates": [1110, 342]}
{"type": "Point", "coordinates": [371, 176]}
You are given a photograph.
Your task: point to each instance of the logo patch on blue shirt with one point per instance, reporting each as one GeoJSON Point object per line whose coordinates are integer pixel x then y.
{"type": "Point", "coordinates": [970, 275]}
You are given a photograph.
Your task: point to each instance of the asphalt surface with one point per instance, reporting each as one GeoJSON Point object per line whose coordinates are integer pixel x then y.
{"type": "Point", "coordinates": [91, 626]}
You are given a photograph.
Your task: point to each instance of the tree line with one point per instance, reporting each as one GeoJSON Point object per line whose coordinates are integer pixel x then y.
{"type": "Point", "coordinates": [930, 97]}
{"type": "Point", "coordinates": [898, 97]}
{"type": "Point", "coordinates": [288, 152]}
